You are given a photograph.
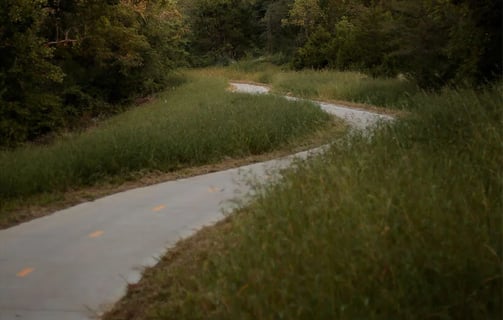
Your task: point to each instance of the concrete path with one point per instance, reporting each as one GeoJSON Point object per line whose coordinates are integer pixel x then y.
{"type": "Point", "coordinates": [358, 119]}
{"type": "Point", "coordinates": [77, 262]}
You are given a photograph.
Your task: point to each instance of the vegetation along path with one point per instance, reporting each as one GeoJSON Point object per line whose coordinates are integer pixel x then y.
{"type": "Point", "coordinates": [77, 262]}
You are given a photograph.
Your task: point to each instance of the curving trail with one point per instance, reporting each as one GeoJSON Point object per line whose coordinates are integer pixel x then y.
{"type": "Point", "coordinates": [358, 119]}
{"type": "Point", "coordinates": [77, 262]}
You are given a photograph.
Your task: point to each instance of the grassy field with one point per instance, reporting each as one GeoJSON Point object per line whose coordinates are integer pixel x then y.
{"type": "Point", "coordinates": [405, 225]}
{"type": "Point", "coordinates": [396, 93]}
{"type": "Point", "coordinates": [195, 124]}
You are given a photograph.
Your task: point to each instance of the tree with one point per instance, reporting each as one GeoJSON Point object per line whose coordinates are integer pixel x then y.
{"type": "Point", "coordinates": [62, 61]}
{"type": "Point", "coordinates": [29, 106]}
{"type": "Point", "coordinates": [484, 18]}
{"type": "Point", "coordinates": [163, 26]}
{"type": "Point", "coordinates": [305, 14]}
{"type": "Point", "coordinates": [435, 42]}
{"type": "Point", "coordinates": [122, 49]}
{"type": "Point", "coordinates": [223, 30]}
{"type": "Point", "coordinates": [278, 37]}
{"type": "Point", "coordinates": [439, 42]}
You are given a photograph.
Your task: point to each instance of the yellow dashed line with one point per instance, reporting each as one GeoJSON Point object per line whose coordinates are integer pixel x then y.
{"type": "Point", "coordinates": [159, 208]}
{"type": "Point", "coordinates": [214, 189]}
{"type": "Point", "coordinates": [96, 234]}
{"type": "Point", "coordinates": [23, 273]}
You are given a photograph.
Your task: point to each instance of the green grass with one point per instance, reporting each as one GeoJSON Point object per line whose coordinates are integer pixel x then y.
{"type": "Point", "coordinates": [397, 93]}
{"type": "Point", "coordinates": [197, 123]}
{"type": "Point", "coordinates": [349, 86]}
{"type": "Point", "coordinates": [405, 225]}
{"type": "Point", "coordinates": [248, 70]}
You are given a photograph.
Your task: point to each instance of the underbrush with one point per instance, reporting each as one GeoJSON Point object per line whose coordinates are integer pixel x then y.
{"type": "Point", "coordinates": [405, 224]}
{"type": "Point", "coordinates": [197, 123]}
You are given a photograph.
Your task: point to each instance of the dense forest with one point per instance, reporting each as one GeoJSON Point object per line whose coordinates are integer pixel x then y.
{"type": "Point", "coordinates": [66, 62]}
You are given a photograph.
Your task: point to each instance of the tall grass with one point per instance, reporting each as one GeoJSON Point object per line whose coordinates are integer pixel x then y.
{"type": "Point", "coordinates": [349, 86]}
{"type": "Point", "coordinates": [198, 123]}
{"type": "Point", "coordinates": [407, 225]}
{"type": "Point", "coordinates": [397, 93]}
{"type": "Point", "coordinates": [247, 70]}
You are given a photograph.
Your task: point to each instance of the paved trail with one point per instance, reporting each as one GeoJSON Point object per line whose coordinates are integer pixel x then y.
{"type": "Point", "coordinates": [77, 262]}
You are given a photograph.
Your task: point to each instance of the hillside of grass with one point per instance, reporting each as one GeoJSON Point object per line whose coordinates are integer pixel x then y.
{"type": "Point", "coordinates": [195, 124]}
{"type": "Point", "coordinates": [351, 86]}
{"type": "Point", "coordinates": [406, 224]}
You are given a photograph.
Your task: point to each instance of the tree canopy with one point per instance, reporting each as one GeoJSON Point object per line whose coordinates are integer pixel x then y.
{"type": "Point", "coordinates": [65, 61]}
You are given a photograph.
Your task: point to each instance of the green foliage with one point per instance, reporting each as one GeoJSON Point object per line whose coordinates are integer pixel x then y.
{"type": "Point", "coordinates": [198, 123]}
{"type": "Point", "coordinates": [306, 14]}
{"type": "Point", "coordinates": [315, 53]}
{"type": "Point", "coordinates": [124, 49]}
{"type": "Point", "coordinates": [279, 38]}
{"type": "Point", "coordinates": [434, 42]}
{"type": "Point", "coordinates": [428, 34]}
{"type": "Point", "coordinates": [29, 106]}
{"type": "Point", "coordinates": [65, 61]}
{"type": "Point", "coordinates": [222, 30]}
{"type": "Point", "coordinates": [165, 31]}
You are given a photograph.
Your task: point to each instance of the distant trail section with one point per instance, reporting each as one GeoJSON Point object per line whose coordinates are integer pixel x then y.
{"type": "Point", "coordinates": [249, 88]}
{"type": "Point", "coordinates": [358, 119]}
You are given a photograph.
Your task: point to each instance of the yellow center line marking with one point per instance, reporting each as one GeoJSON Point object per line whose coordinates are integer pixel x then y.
{"type": "Point", "coordinates": [159, 208]}
{"type": "Point", "coordinates": [96, 234]}
{"type": "Point", "coordinates": [23, 273]}
{"type": "Point", "coordinates": [214, 189]}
